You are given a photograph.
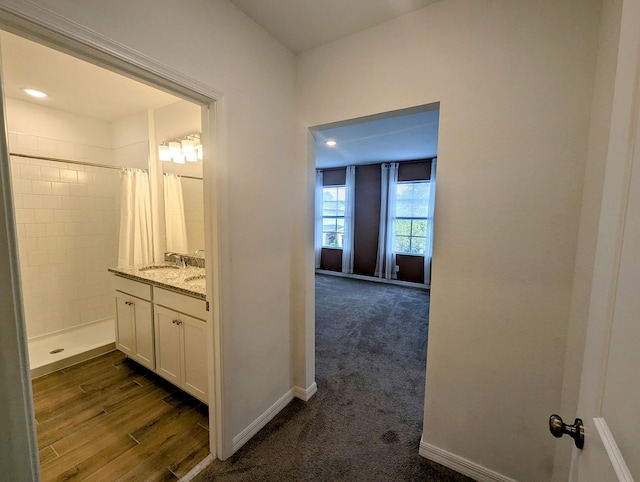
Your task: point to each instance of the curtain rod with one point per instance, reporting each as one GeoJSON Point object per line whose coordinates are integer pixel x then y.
{"type": "Point", "coordinates": [69, 161]}
{"type": "Point", "coordinates": [180, 175]}
{"type": "Point", "coordinates": [85, 163]}
{"type": "Point", "coordinates": [407, 161]}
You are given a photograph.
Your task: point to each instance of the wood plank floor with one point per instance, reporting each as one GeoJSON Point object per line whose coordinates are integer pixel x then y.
{"type": "Point", "coordinates": [111, 419]}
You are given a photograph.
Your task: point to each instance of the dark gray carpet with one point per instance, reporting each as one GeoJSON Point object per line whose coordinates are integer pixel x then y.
{"type": "Point", "coordinates": [365, 421]}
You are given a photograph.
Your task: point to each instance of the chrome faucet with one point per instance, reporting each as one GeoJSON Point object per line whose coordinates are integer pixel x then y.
{"type": "Point", "coordinates": [198, 251]}
{"type": "Point", "coordinates": [178, 259]}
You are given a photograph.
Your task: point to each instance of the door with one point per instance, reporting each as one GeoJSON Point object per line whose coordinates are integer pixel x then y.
{"type": "Point", "coordinates": [610, 386]}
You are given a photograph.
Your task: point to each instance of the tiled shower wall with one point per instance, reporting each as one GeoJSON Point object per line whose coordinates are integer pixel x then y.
{"type": "Point", "coordinates": [67, 219]}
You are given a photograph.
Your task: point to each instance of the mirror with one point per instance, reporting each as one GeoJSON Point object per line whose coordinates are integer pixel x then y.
{"type": "Point", "coordinates": [181, 201]}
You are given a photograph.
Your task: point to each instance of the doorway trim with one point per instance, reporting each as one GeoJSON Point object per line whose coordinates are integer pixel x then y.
{"type": "Point", "coordinates": [40, 25]}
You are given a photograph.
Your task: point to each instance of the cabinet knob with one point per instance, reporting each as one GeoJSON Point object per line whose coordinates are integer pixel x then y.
{"type": "Point", "coordinates": [128, 303]}
{"type": "Point", "coordinates": [176, 322]}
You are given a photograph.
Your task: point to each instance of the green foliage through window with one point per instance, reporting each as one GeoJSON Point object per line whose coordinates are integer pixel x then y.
{"type": "Point", "coordinates": [412, 206]}
{"type": "Point", "coordinates": [333, 210]}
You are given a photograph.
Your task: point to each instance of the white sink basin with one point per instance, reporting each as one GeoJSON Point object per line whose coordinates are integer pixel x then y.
{"type": "Point", "coordinates": [199, 280]}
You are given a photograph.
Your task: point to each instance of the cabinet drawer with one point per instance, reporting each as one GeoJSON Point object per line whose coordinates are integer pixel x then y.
{"type": "Point", "coordinates": [184, 304]}
{"type": "Point", "coordinates": [134, 288]}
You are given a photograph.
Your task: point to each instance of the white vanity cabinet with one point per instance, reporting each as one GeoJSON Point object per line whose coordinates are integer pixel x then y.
{"type": "Point", "coordinates": [180, 341]}
{"type": "Point", "coordinates": [134, 321]}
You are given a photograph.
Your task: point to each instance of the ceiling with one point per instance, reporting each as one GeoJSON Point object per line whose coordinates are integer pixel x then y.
{"type": "Point", "coordinates": [306, 24]}
{"type": "Point", "coordinates": [397, 138]}
{"type": "Point", "coordinates": [79, 87]}
{"type": "Point", "coordinates": [73, 85]}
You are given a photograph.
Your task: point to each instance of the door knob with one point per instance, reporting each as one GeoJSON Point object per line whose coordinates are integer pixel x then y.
{"type": "Point", "coordinates": [576, 431]}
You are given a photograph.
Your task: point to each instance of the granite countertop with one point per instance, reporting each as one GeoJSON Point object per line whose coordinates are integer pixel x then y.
{"type": "Point", "coordinates": [171, 278]}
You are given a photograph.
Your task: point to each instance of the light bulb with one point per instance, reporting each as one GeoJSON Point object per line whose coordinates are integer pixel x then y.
{"type": "Point", "coordinates": [178, 159]}
{"type": "Point", "coordinates": [175, 149]}
{"type": "Point", "coordinates": [163, 153]}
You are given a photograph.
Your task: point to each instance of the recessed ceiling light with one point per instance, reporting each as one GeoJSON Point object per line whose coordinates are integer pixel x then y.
{"type": "Point", "coordinates": [331, 143]}
{"type": "Point", "coordinates": [34, 93]}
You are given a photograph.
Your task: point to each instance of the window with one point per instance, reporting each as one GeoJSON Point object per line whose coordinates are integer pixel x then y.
{"type": "Point", "coordinates": [412, 205]}
{"type": "Point", "coordinates": [333, 210]}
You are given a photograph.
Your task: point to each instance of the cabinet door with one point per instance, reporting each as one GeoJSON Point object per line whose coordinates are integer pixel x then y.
{"type": "Point", "coordinates": [134, 329]}
{"type": "Point", "coordinates": [194, 375]}
{"type": "Point", "coordinates": [168, 356]}
{"type": "Point", "coordinates": [143, 325]}
{"type": "Point", "coordinates": [125, 332]}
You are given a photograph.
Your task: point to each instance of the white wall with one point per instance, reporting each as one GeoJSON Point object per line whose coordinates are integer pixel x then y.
{"type": "Point", "coordinates": [222, 48]}
{"type": "Point", "coordinates": [514, 81]}
{"type": "Point", "coordinates": [130, 141]}
{"type": "Point", "coordinates": [66, 216]}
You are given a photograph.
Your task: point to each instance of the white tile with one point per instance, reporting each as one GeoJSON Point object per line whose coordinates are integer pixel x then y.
{"type": "Point", "coordinates": [48, 271]}
{"type": "Point", "coordinates": [28, 171]}
{"type": "Point", "coordinates": [58, 257]}
{"type": "Point", "coordinates": [41, 187]}
{"type": "Point", "coordinates": [22, 186]}
{"type": "Point", "coordinates": [77, 189]}
{"type": "Point", "coordinates": [86, 177]}
{"type": "Point", "coordinates": [54, 230]}
{"type": "Point", "coordinates": [27, 142]}
{"type": "Point", "coordinates": [32, 201]}
{"type": "Point", "coordinates": [35, 230]}
{"type": "Point", "coordinates": [50, 173]}
{"type": "Point", "coordinates": [18, 201]}
{"type": "Point", "coordinates": [68, 175]}
{"type": "Point", "coordinates": [66, 150]}
{"type": "Point", "coordinates": [61, 215]}
{"type": "Point", "coordinates": [37, 258]}
{"type": "Point", "coordinates": [44, 216]}
{"type": "Point", "coordinates": [28, 244]}
{"type": "Point", "coordinates": [60, 188]}
{"type": "Point", "coordinates": [13, 140]}
{"type": "Point", "coordinates": [28, 273]}
{"type": "Point", "coordinates": [47, 147]}
{"type": "Point", "coordinates": [72, 229]}
{"type": "Point", "coordinates": [45, 244]}
{"type": "Point", "coordinates": [88, 202]}
{"type": "Point", "coordinates": [71, 203]}
{"type": "Point", "coordinates": [54, 202]}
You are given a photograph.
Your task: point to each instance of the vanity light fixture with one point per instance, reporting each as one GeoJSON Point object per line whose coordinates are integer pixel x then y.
{"type": "Point", "coordinates": [331, 143]}
{"type": "Point", "coordinates": [187, 148]}
{"type": "Point", "coordinates": [35, 93]}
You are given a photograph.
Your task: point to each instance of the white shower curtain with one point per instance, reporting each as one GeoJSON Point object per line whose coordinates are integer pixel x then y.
{"type": "Point", "coordinates": [135, 243]}
{"type": "Point", "coordinates": [349, 207]}
{"type": "Point", "coordinates": [175, 225]}
{"type": "Point", "coordinates": [318, 230]}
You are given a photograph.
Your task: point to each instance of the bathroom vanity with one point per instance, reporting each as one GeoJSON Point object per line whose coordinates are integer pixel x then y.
{"type": "Point", "coordinates": [161, 315]}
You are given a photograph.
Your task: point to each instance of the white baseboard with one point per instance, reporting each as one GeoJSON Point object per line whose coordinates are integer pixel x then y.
{"type": "Point", "coordinates": [375, 279]}
{"type": "Point", "coordinates": [296, 392]}
{"type": "Point", "coordinates": [460, 464]}
{"type": "Point", "coordinates": [303, 394]}
{"type": "Point", "coordinates": [244, 436]}
{"type": "Point", "coordinates": [189, 476]}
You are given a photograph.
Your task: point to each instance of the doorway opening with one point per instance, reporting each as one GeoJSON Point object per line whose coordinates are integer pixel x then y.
{"type": "Point", "coordinates": [83, 160]}
{"type": "Point", "coordinates": [375, 195]}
